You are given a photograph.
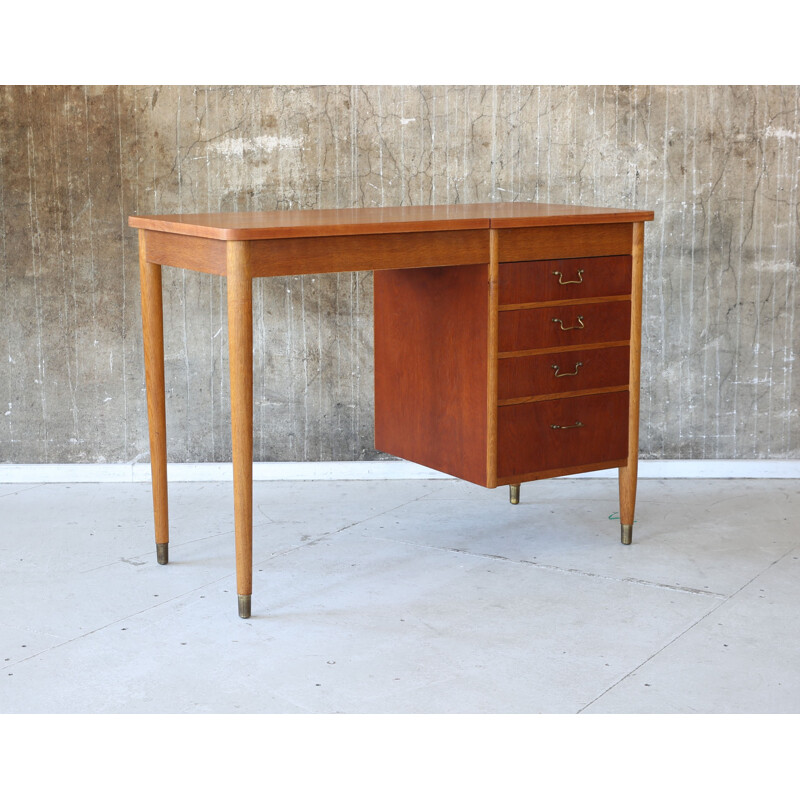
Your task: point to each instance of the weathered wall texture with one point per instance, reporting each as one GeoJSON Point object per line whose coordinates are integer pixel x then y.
{"type": "Point", "coordinates": [718, 165]}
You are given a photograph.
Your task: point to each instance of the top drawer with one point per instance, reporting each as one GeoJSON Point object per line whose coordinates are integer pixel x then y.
{"type": "Point", "coordinates": [564, 279]}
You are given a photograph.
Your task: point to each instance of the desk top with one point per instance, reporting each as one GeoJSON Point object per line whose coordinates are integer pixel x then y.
{"type": "Point", "coordinates": [249, 225]}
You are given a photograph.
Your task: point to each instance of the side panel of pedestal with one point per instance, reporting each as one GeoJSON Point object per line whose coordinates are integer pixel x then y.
{"type": "Point", "coordinates": [431, 328]}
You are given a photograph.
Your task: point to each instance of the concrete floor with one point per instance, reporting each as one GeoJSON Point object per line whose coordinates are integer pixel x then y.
{"type": "Point", "coordinates": [404, 597]}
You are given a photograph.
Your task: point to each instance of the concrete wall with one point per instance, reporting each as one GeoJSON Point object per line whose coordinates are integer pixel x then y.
{"type": "Point", "coordinates": [718, 165]}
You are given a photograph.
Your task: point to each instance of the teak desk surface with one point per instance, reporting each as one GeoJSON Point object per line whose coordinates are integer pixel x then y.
{"type": "Point", "coordinates": [482, 259]}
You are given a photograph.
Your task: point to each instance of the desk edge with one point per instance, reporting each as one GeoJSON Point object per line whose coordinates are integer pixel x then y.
{"type": "Point", "coordinates": [312, 231]}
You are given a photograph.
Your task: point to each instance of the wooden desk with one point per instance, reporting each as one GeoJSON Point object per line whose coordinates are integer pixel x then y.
{"type": "Point", "coordinates": [507, 335]}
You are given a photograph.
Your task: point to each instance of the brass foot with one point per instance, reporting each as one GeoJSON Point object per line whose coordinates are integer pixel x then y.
{"type": "Point", "coordinates": [513, 493]}
{"type": "Point", "coordinates": [162, 552]}
{"type": "Point", "coordinates": [627, 534]}
{"type": "Point", "coordinates": [244, 606]}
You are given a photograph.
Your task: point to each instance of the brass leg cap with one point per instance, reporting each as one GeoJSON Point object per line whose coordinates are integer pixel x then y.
{"type": "Point", "coordinates": [627, 534]}
{"type": "Point", "coordinates": [513, 494]}
{"type": "Point", "coordinates": [162, 553]}
{"type": "Point", "coordinates": [244, 606]}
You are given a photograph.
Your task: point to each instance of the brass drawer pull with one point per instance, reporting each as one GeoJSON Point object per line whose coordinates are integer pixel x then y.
{"type": "Point", "coordinates": [579, 326]}
{"type": "Point", "coordinates": [564, 283]}
{"type": "Point", "coordinates": [567, 374]}
{"type": "Point", "coordinates": [566, 427]}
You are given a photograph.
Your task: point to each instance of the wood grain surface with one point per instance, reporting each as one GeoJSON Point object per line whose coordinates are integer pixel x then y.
{"type": "Point", "coordinates": [527, 443]}
{"type": "Point", "coordinates": [153, 339]}
{"type": "Point", "coordinates": [367, 251]}
{"type": "Point", "coordinates": [628, 473]}
{"type": "Point", "coordinates": [431, 329]}
{"type": "Point", "coordinates": [391, 219]}
{"type": "Point", "coordinates": [564, 279]}
{"type": "Point", "coordinates": [575, 241]}
{"type": "Point", "coordinates": [573, 370]}
{"type": "Point", "coordinates": [240, 337]}
{"type": "Point", "coordinates": [556, 326]}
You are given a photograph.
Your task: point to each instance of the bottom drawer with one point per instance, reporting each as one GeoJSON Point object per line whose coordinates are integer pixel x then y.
{"type": "Point", "coordinates": [592, 429]}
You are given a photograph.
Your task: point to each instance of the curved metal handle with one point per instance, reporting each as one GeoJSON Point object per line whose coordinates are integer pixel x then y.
{"type": "Point", "coordinates": [566, 427]}
{"type": "Point", "coordinates": [578, 365]}
{"type": "Point", "coordinates": [563, 282]}
{"type": "Point", "coordinates": [579, 326]}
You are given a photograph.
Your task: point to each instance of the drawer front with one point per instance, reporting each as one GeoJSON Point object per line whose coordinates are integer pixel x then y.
{"type": "Point", "coordinates": [560, 326]}
{"type": "Point", "coordinates": [593, 430]}
{"type": "Point", "coordinates": [570, 371]}
{"type": "Point", "coordinates": [564, 279]}
{"type": "Point", "coordinates": [565, 241]}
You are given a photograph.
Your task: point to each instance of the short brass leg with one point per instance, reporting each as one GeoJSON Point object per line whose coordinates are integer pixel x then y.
{"type": "Point", "coordinates": [627, 534]}
{"type": "Point", "coordinates": [244, 606]}
{"type": "Point", "coordinates": [513, 493]}
{"type": "Point", "coordinates": [162, 552]}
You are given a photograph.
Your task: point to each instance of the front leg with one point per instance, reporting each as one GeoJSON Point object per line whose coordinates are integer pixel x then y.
{"type": "Point", "coordinates": [628, 473]}
{"type": "Point", "coordinates": [153, 339]}
{"type": "Point", "coordinates": [240, 346]}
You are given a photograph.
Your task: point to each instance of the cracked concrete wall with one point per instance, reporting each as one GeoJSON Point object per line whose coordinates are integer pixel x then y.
{"type": "Point", "coordinates": [718, 165]}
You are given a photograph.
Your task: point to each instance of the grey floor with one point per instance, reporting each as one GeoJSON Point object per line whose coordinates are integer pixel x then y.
{"type": "Point", "coordinates": [404, 597]}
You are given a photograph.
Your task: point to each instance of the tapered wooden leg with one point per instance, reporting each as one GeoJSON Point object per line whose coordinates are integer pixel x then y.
{"type": "Point", "coordinates": [240, 344]}
{"type": "Point", "coordinates": [628, 473]}
{"type": "Point", "coordinates": [153, 335]}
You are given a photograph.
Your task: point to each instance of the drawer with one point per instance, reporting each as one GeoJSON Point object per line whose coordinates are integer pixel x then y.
{"type": "Point", "coordinates": [564, 279]}
{"type": "Point", "coordinates": [560, 326]}
{"type": "Point", "coordinates": [569, 371]}
{"type": "Point", "coordinates": [594, 430]}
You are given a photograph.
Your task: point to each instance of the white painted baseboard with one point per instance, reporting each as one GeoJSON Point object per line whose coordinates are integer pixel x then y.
{"type": "Point", "coordinates": [365, 470]}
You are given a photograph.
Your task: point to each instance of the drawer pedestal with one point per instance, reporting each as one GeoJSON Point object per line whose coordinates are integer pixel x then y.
{"type": "Point", "coordinates": [511, 371]}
